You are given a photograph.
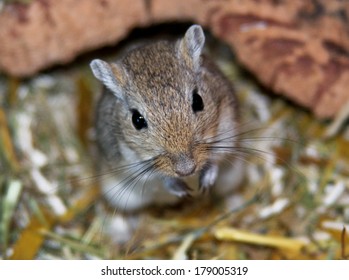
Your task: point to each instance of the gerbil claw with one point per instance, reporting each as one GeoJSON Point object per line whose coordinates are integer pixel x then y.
{"type": "Point", "coordinates": [208, 177]}
{"type": "Point", "coordinates": [177, 187]}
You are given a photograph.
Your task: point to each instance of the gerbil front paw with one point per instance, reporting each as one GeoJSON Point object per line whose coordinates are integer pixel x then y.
{"type": "Point", "coordinates": [208, 177]}
{"type": "Point", "coordinates": [177, 187]}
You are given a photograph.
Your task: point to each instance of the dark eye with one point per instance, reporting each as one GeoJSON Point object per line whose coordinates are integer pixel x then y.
{"type": "Point", "coordinates": [138, 120]}
{"type": "Point", "coordinates": [198, 104]}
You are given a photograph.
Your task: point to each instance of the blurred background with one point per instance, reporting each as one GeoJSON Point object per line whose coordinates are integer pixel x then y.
{"type": "Point", "coordinates": [292, 204]}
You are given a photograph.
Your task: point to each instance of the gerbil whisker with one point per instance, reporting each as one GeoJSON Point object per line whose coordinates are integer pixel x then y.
{"type": "Point", "coordinates": [133, 184]}
{"type": "Point", "coordinates": [146, 180]}
{"type": "Point", "coordinates": [128, 179]}
{"type": "Point", "coordinates": [240, 150]}
{"type": "Point", "coordinates": [238, 156]}
{"type": "Point", "coordinates": [247, 151]}
{"type": "Point", "coordinates": [237, 138]}
{"type": "Point", "coordinates": [111, 172]}
{"type": "Point", "coordinates": [97, 177]}
{"type": "Point", "coordinates": [130, 182]}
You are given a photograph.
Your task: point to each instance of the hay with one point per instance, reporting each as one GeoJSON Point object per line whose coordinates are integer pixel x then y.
{"type": "Point", "coordinates": [293, 204]}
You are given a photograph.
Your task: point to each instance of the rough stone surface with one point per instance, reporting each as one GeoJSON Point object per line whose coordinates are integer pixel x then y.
{"type": "Point", "coordinates": [49, 32]}
{"type": "Point", "coordinates": [297, 48]}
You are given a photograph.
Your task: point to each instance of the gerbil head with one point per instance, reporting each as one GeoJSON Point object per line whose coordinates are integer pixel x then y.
{"type": "Point", "coordinates": [166, 108]}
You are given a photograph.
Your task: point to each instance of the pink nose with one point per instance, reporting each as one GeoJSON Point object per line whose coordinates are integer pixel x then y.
{"type": "Point", "coordinates": [184, 165]}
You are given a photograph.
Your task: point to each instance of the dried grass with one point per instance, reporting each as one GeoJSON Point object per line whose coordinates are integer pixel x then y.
{"type": "Point", "coordinates": [293, 204]}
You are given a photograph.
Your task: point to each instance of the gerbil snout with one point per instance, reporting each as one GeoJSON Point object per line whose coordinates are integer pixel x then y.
{"type": "Point", "coordinates": [183, 164]}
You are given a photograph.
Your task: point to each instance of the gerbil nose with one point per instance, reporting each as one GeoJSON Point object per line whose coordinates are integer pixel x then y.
{"type": "Point", "coordinates": [184, 165]}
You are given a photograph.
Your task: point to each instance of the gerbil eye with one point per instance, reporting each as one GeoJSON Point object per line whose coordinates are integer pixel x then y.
{"type": "Point", "coordinates": [138, 120]}
{"type": "Point", "coordinates": [198, 104]}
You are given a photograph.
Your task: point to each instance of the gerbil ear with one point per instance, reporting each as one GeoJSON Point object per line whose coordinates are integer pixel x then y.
{"type": "Point", "coordinates": [110, 75]}
{"type": "Point", "coordinates": [191, 46]}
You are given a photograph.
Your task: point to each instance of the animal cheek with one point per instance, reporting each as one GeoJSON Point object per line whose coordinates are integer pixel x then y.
{"type": "Point", "coordinates": [164, 166]}
{"type": "Point", "coordinates": [210, 134]}
{"type": "Point", "coordinates": [202, 157]}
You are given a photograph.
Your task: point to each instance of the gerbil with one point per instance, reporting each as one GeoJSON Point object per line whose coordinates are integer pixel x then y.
{"type": "Point", "coordinates": [167, 116]}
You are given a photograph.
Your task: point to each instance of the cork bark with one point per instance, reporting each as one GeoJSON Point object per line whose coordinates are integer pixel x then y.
{"type": "Point", "coordinates": [296, 48]}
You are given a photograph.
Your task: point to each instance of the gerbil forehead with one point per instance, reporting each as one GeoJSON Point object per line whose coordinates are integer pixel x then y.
{"type": "Point", "coordinates": [157, 79]}
{"type": "Point", "coordinates": [161, 91]}
{"type": "Point", "coordinates": [167, 99]}
{"type": "Point", "coordinates": [156, 67]}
